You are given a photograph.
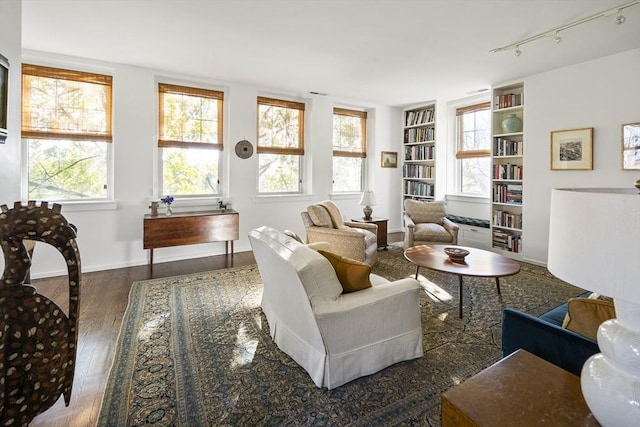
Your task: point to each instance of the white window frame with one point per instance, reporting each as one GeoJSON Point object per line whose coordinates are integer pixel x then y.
{"type": "Point", "coordinates": [362, 154]}
{"type": "Point", "coordinates": [301, 106]}
{"type": "Point", "coordinates": [193, 89]}
{"type": "Point", "coordinates": [74, 205]}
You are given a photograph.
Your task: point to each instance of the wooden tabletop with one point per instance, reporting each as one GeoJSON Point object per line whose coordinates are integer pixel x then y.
{"type": "Point", "coordinates": [478, 263]}
{"type": "Point", "coordinates": [520, 390]}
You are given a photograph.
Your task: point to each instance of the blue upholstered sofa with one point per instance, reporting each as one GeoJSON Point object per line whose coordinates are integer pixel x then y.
{"type": "Point", "coordinates": [545, 337]}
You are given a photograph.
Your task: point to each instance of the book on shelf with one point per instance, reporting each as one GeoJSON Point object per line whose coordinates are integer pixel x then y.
{"type": "Point", "coordinates": [417, 188]}
{"type": "Point", "coordinates": [507, 193]}
{"type": "Point", "coordinates": [417, 171]}
{"type": "Point", "coordinates": [507, 241]}
{"type": "Point", "coordinates": [418, 117]}
{"type": "Point", "coordinates": [413, 135]}
{"type": "Point", "coordinates": [419, 152]}
{"type": "Point", "coordinates": [508, 100]}
{"type": "Point", "coordinates": [506, 147]}
{"type": "Point", "coordinates": [507, 171]}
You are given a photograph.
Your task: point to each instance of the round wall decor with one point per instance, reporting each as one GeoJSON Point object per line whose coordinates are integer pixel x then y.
{"type": "Point", "coordinates": [244, 149]}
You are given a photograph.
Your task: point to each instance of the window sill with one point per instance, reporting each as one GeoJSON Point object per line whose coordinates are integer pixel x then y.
{"type": "Point", "coordinates": [282, 198]}
{"type": "Point", "coordinates": [468, 198]}
{"type": "Point", "coordinates": [87, 206]}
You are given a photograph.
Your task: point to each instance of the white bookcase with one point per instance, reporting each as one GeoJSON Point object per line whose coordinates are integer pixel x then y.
{"type": "Point", "coordinates": [419, 156]}
{"type": "Point", "coordinates": [507, 174]}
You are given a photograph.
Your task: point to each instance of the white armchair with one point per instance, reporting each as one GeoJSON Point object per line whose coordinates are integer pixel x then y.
{"type": "Point", "coordinates": [336, 337]}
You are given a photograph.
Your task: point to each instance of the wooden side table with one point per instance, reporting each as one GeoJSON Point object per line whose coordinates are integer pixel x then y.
{"type": "Point", "coordinates": [520, 390]}
{"type": "Point", "coordinates": [188, 228]}
{"type": "Point", "coordinates": [382, 229]}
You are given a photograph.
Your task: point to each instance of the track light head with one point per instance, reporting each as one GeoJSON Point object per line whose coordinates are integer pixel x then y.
{"type": "Point", "coordinates": [620, 18]}
{"type": "Point", "coordinates": [517, 52]}
{"type": "Point", "coordinates": [557, 39]}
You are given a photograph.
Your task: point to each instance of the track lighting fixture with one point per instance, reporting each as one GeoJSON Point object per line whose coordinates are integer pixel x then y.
{"type": "Point", "coordinates": [620, 19]}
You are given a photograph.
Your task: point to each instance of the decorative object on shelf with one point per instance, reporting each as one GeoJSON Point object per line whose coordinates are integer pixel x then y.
{"type": "Point", "coordinates": [631, 146]}
{"type": "Point", "coordinates": [154, 208]}
{"type": "Point", "coordinates": [637, 184]}
{"type": "Point", "coordinates": [572, 149]}
{"type": "Point", "coordinates": [599, 252]}
{"type": "Point", "coordinates": [389, 159]}
{"type": "Point", "coordinates": [512, 124]}
{"type": "Point", "coordinates": [456, 255]}
{"type": "Point", "coordinates": [368, 199]}
{"type": "Point", "coordinates": [167, 200]}
{"type": "Point", "coordinates": [244, 149]}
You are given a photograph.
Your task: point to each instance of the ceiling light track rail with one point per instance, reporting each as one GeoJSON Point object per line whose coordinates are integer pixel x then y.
{"type": "Point", "coordinates": [555, 32]}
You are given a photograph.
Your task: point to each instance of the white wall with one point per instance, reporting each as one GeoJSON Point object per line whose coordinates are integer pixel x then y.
{"type": "Point", "coordinates": [603, 94]}
{"type": "Point", "coordinates": [112, 236]}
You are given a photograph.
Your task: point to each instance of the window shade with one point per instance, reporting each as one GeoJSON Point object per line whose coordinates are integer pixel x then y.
{"type": "Point", "coordinates": [280, 131]}
{"type": "Point", "coordinates": [190, 117]}
{"type": "Point", "coordinates": [349, 133]}
{"type": "Point", "coordinates": [65, 104]}
{"type": "Point", "coordinates": [461, 153]}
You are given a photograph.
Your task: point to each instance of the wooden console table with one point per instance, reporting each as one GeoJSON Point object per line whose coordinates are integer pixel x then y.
{"type": "Point", "coordinates": [188, 228]}
{"type": "Point", "coordinates": [520, 390]}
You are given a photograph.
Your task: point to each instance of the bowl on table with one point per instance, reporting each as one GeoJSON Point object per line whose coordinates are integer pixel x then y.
{"type": "Point", "coordinates": [456, 254]}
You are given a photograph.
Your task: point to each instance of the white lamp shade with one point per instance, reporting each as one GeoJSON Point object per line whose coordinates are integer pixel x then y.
{"type": "Point", "coordinates": [368, 199]}
{"type": "Point", "coordinates": [594, 240]}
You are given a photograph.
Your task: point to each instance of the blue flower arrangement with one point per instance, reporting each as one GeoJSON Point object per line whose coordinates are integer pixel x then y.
{"type": "Point", "coordinates": [167, 200]}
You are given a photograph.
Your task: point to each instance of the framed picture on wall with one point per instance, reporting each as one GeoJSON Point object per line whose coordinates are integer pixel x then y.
{"type": "Point", "coordinates": [389, 159]}
{"type": "Point", "coordinates": [572, 149]}
{"type": "Point", "coordinates": [631, 146]}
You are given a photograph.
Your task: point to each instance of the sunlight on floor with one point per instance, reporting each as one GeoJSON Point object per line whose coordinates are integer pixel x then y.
{"type": "Point", "coordinates": [148, 329]}
{"type": "Point", "coordinates": [245, 348]}
{"type": "Point", "coordinates": [435, 292]}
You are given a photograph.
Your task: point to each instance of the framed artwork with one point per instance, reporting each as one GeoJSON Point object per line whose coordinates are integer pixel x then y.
{"type": "Point", "coordinates": [631, 146]}
{"type": "Point", "coordinates": [389, 159]}
{"type": "Point", "coordinates": [572, 149]}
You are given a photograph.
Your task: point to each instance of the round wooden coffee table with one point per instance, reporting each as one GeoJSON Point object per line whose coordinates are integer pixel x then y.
{"type": "Point", "coordinates": [479, 263]}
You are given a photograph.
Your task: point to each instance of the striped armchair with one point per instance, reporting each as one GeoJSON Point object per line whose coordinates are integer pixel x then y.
{"type": "Point", "coordinates": [323, 223]}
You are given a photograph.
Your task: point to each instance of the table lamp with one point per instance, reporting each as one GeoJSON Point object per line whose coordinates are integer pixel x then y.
{"type": "Point", "coordinates": [368, 199]}
{"type": "Point", "coordinates": [594, 243]}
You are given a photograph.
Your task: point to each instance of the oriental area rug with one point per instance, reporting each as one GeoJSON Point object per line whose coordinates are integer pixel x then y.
{"type": "Point", "coordinates": [195, 350]}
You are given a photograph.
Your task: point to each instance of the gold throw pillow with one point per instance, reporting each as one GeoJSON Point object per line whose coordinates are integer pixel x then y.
{"type": "Point", "coordinates": [353, 275]}
{"type": "Point", "coordinates": [584, 315]}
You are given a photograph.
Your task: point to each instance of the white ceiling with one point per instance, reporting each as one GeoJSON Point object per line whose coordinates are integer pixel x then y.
{"type": "Point", "coordinates": [392, 52]}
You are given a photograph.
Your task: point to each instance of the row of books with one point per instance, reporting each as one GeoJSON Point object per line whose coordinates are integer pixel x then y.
{"type": "Point", "coordinates": [507, 219]}
{"type": "Point", "coordinates": [417, 171]}
{"type": "Point", "coordinates": [419, 152]}
{"type": "Point", "coordinates": [507, 171]}
{"type": "Point", "coordinates": [507, 193]}
{"type": "Point", "coordinates": [427, 134]}
{"type": "Point", "coordinates": [507, 241]}
{"type": "Point", "coordinates": [417, 188]}
{"type": "Point", "coordinates": [509, 100]}
{"type": "Point", "coordinates": [505, 147]}
{"type": "Point", "coordinates": [419, 117]}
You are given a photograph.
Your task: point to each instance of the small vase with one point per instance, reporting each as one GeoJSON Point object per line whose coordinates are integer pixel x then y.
{"type": "Point", "coordinates": [169, 211]}
{"type": "Point", "coordinates": [511, 124]}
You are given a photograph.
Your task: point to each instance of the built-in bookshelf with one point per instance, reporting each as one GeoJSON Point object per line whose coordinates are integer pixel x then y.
{"type": "Point", "coordinates": [507, 168]}
{"type": "Point", "coordinates": [419, 157]}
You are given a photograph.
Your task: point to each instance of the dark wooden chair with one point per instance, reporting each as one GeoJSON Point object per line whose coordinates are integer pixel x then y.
{"type": "Point", "coordinates": [37, 339]}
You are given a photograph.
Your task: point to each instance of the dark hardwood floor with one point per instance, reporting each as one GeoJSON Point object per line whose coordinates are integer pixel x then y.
{"type": "Point", "coordinates": [103, 301]}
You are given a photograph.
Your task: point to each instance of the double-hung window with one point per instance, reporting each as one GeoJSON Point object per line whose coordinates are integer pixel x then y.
{"type": "Point", "coordinates": [349, 149]}
{"type": "Point", "coordinates": [66, 126]}
{"type": "Point", "coordinates": [473, 131]}
{"type": "Point", "coordinates": [190, 140]}
{"type": "Point", "coordinates": [280, 146]}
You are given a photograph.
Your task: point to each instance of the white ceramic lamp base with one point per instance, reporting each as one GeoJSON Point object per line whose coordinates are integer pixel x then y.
{"type": "Point", "coordinates": [611, 380]}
